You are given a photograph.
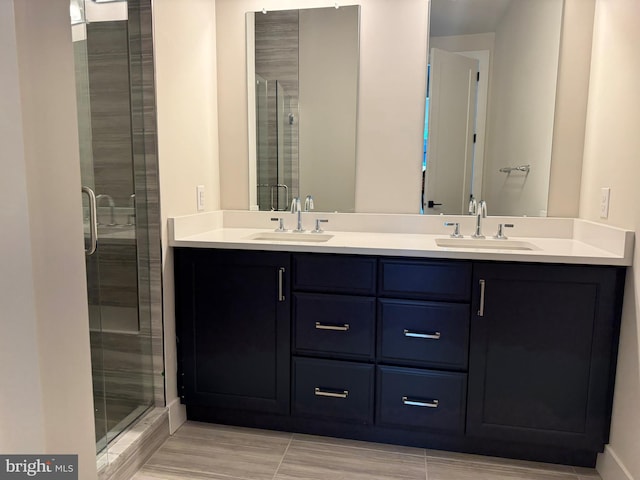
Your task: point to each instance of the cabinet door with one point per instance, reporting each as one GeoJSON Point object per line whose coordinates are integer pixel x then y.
{"type": "Point", "coordinates": [233, 328]}
{"type": "Point", "coordinates": [542, 353]}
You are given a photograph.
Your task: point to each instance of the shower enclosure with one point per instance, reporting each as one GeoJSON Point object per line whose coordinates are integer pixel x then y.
{"type": "Point", "coordinates": [117, 211]}
{"type": "Point", "coordinates": [276, 145]}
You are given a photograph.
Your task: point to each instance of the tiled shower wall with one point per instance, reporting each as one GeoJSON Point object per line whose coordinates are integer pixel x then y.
{"type": "Point", "coordinates": [108, 55]}
{"type": "Point", "coordinates": [276, 54]}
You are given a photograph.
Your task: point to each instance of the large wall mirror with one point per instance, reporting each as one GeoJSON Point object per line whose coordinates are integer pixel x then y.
{"type": "Point", "coordinates": [491, 138]}
{"type": "Point", "coordinates": [302, 68]}
{"type": "Point", "coordinates": [493, 69]}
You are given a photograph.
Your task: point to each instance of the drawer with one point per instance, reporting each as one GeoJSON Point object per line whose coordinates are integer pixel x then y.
{"type": "Point", "coordinates": [333, 389]}
{"type": "Point", "coordinates": [338, 325]}
{"type": "Point", "coordinates": [431, 334]}
{"type": "Point", "coordinates": [334, 273]}
{"type": "Point", "coordinates": [421, 399]}
{"type": "Point", "coordinates": [427, 280]}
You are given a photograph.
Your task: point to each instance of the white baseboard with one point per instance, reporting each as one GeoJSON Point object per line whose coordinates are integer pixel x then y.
{"type": "Point", "coordinates": [177, 415]}
{"type": "Point", "coordinates": [610, 467]}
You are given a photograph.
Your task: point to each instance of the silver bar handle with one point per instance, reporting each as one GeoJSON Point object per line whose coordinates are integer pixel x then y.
{"type": "Point", "coordinates": [417, 403]}
{"type": "Point", "coordinates": [481, 307]}
{"type": "Point", "coordinates": [519, 168]}
{"type": "Point", "coordinates": [93, 222]}
{"type": "Point", "coordinates": [430, 336]}
{"type": "Point", "coordinates": [337, 328]}
{"type": "Point", "coordinates": [286, 196]}
{"type": "Point", "coordinates": [324, 393]}
{"type": "Point", "coordinates": [281, 297]}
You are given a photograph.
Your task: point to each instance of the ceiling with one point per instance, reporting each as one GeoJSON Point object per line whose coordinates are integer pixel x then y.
{"type": "Point", "coordinates": [465, 17]}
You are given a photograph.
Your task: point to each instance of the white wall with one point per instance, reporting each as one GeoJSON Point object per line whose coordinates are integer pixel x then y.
{"type": "Point", "coordinates": [393, 56]}
{"type": "Point", "coordinates": [571, 108]}
{"type": "Point", "coordinates": [21, 394]}
{"type": "Point", "coordinates": [186, 82]}
{"type": "Point", "coordinates": [328, 76]}
{"type": "Point", "coordinates": [612, 159]}
{"type": "Point", "coordinates": [46, 401]}
{"type": "Point", "coordinates": [525, 75]}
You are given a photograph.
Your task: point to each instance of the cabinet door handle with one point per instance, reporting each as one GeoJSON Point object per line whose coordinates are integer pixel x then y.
{"type": "Point", "coordinates": [417, 403]}
{"type": "Point", "coordinates": [281, 297]}
{"type": "Point", "coordinates": [481, 307]}
{"type": "Point", "coordinates": [325, 393]}
{"type": "Point", "coordinates": [430, 336]}
{"type": "Point", "coordinates": [337, 328]}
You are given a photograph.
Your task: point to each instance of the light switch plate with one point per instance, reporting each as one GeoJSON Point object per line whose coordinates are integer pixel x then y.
{"type": "Point", "coordinates": [200, 197]}
{"type": "Point", "coordinates": [605, 194]}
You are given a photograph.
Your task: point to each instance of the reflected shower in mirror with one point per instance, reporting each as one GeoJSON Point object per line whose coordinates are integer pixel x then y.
{"type": "Point", "coordinates": [493, 68]}
{"type": "Point", "coordinates": [302, 68]}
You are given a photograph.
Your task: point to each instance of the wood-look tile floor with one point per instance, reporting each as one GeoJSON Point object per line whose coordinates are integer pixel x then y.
{"type": "Point", "coordinates": [200, 451]}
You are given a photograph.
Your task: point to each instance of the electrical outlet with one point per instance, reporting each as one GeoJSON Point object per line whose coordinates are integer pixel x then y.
{"type": "Point", "coordinates": [200, 197]}
{"type": "Point", "coordinates": [605, 194]}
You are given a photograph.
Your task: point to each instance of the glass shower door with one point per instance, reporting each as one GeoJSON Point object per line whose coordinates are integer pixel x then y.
{"type": "Point", "coordinates": [90, 222]}
{"type": "Point", "coordinates": [114, 198]}
{"type": "Point", "coordinates": [287, 165]}
{"type": "Point", "coordinates": [264, 170]}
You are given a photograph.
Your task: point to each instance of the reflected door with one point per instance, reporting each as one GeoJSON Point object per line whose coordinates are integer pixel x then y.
{"type": "Point", "coordinates": [452, 110]}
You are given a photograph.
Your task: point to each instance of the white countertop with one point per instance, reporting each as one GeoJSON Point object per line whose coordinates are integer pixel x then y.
{"type": "Point", "coordinates": [571, 241]}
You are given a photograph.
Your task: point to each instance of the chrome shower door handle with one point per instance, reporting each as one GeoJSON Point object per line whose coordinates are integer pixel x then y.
{"type": "Point", "coordinates": [93, 222]}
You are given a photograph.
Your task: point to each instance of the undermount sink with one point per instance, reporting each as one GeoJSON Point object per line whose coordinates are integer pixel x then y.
{"type": "Point", "coordinates": [489, 244]}
{"type": "Point", "coordinates": [291, 237]}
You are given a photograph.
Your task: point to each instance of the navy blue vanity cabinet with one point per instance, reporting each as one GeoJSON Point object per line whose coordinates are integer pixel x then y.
{"type": "Point", "coordinates": [506, 359]}
{"type": "Point", "coordinates": [334, 337]}
{"type": "Point", "coordinates": [233, 328]}
{"type": "Point", "coordinates": [423, 322]}
{"type": "Point", "coordinates": [542, 355]}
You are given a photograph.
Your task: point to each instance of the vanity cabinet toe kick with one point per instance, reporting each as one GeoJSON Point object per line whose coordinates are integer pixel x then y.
{"type": "Point", "coordinates": [497, 358]}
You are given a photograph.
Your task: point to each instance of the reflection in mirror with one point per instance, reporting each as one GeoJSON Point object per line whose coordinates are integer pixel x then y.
{"type": "Point", "coordinates": [493, 68]}
{"type": "Point", "coordinates": [302, 66]}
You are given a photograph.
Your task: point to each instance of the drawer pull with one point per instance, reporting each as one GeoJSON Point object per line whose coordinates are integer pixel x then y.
{"type": "Point", "coordinates": [337, 394]}
{"type": "Point", "coordinates": [430, 336]}
{"type": "Point", "coordinates": [337, 328]}
{"type": "Point", "coordinates": [416, 403]}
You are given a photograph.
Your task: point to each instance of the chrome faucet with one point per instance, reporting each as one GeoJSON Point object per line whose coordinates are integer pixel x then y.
{"type": "Point", "coordinates": [473, 206]}
{"type": "Point", "coordinates": [112, 207]}
{"type": "Point", "coordinates": [308, 203]}
{"type": "Point", "coordinates": [480, 213]}
{"type": "Point", "coordinates": [297, 208]}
